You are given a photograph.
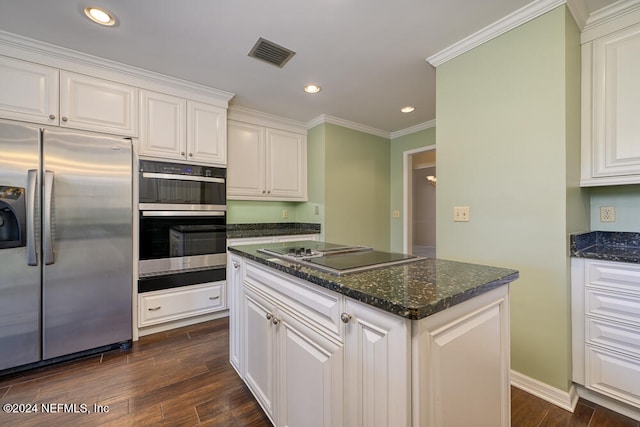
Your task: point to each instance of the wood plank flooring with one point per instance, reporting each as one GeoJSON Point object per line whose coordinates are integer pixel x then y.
{"type": "Point", "coordinates": [183, 378]}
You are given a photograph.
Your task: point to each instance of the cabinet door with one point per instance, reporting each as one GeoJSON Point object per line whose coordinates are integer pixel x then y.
{"type": "Point", "coordinates": [310, 376]}
{"type": "Point", "coordinates": [377, 374]}
{"type": "Point", "coordinates": [234, 291]}
{"type": "Point", "coordinates": [28, 92]}
{"type": "Point", "coordinates": [162, 125]}
{"type": "Point", "coordinates": [616, 128]}
{"type": "Point", "coordinates": [259, 350]}
{"type": "Point", "coordinates": [245, 172]}
{"type": "Point", "coordinates": [206, 133]}
{"type": "Point", "coordinates": [99, 105]}
{"type": "Point", "coordinates": [286, 165]}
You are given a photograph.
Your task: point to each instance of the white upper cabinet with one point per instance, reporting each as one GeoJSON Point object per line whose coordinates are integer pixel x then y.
{"type": "Point", "coordinates": [611, 108]}
{"type": "Point", "coordinates": [266, 163]}
{"type": "Point", "coordinates": [179, 129]}
{"type": "Point", "coordinates": [28, 91]}
{"type": "Point", "coordinates": [99, 105]}
{"type": "Point", "coordinates": [206, 133]}
{"type": "Point", "coordinates": [162, 125]}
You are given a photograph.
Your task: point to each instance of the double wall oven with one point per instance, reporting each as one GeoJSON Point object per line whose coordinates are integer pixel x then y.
{"type": "Point", "coordinates": [182, 225]}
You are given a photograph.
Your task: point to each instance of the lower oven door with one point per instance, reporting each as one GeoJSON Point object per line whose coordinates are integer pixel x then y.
{"type": "Point", "coordinates": [173, 241]}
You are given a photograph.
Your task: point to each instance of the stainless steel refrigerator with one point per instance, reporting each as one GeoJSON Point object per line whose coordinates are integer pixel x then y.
{"type": "Point", "coordinates": [65, 243]}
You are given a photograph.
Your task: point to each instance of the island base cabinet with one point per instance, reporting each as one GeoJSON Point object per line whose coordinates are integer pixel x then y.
{"type": "Point", "coordinates": [377, 367]}
{"type": "Point", "coordinates": [294, 371]}
{"type": "Point", "coordinates": [461, 364]}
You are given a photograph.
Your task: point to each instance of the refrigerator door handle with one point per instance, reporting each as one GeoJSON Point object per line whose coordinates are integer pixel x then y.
{"type": "Point", "coordinates": [32, 181]}
{"type": "Point", "coordinates": [46, 219]}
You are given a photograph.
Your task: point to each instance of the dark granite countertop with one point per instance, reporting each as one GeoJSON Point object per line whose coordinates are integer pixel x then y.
{"type": "Point", "coordinates": [237, 231]}
{"type": "Point", "coordinates": [414, 290]}
{"type": "Point", "coordinates": [606, 245]}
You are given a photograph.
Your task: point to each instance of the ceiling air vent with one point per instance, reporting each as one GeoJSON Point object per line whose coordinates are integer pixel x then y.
{"type": "Point", "coordinates": [270, 52]}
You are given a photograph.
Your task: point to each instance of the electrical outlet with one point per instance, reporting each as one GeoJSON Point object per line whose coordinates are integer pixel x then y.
{"type": "Point", "coordinates": [607, 214]}
{"type": "Point", "coordinates": [285, 213]}
{"type": "Point", "coordinates": [317, 210]}
{"type": "Point", "coordinates": [395, 214]}
{"type": "Point", "coordinates": [461, 213]}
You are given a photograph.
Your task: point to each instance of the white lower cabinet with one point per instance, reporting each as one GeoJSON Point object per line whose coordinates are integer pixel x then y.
{"type": "Point", "coordinates": [377, 367]}
{"type": "Point", "coordinates": [179, 303]}
{"type": "Point", "coordinates": [294, 369]}
{"type": "Point", "coordinates": [313, 357]}
{"type": "Point", "coordinates": [606, 319]}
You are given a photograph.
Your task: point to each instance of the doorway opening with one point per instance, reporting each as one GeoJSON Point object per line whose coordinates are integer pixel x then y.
{"type": "Point", "coordinates": [420, 182]}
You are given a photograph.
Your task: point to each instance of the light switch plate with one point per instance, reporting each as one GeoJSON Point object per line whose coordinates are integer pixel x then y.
{"type": "Point", "coordinates": [461, 213]}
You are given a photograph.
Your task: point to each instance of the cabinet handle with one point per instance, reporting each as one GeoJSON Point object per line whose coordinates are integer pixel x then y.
{"type": "Point", "coordinates": [269, 316]}
{"type": "Point", "coordinates": [345, 317]}
{"type": "Point", "coordinates": [275, 321]}
{"type": "Point", "coordinates": [155, 308]}
{"type": "Point", "coordinates": [269, 191]}
{"type": "Point", "coordinates": [214, 298]}
{"type": "Point", "coordinates": [65, 119]}
{"type": "Point", "coordinates": [182, 153]}
{"type": "Point", "coordinates": [263, 191]}
{"type": "Point", "coordinates": [190, 154]}
{"type": "Point", "coordinates": [52, 117]}
{"type": "Point", "coordinates": [236, 265]}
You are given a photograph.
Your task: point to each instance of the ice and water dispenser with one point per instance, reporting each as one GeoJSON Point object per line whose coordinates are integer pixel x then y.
{"type": "Point", "coordinates": [13, 225]}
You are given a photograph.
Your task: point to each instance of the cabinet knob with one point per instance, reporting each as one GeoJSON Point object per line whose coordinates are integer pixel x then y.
{"type": "Point", "coordinates": [275, 321]}
{"type": "Point", "coordinates": [190, 154]}
{"type": "Point", "coordinates": [269, 192]}
{"type": "Point", "coordinates": [52, 117]}
{"type": "Point", "coordinates": [65, 119]}
{"type": "Point", "coordinates": [345, 317]}
{"type": "Point", "coordinates": [182, 153]}
{"type": "Point", "coordinates": [269, 316]}
{"type": "Point", "coordinates": [236, 265]}
{"type": "Point", "coordinates": [155, 308]}
{"type": "Point", "coordinates": [263, 191]}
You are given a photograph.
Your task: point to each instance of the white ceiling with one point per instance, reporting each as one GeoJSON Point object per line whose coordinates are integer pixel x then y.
{"type": "Point", "coordinates": [369, 56]}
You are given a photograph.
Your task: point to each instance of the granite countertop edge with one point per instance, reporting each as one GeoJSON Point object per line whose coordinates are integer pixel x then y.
{"type": "Point", "coordinates": [409, 312]}
{"type": "Point", "coordinates": [606, 245]}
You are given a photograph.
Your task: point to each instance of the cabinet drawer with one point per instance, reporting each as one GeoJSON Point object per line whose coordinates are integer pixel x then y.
{"type": "Point", "coordinates": [614, 306]}
{"type": "Point", "coordinates": [167, 305]}
{"type": "Point", "coordinates": [613, 276]}
{"type": "Point", "coordinates": [312, 303]}
{"type": "Point", "coordinates": [614, 336]}
{"type": "Point", "coordinates": [613, 374]}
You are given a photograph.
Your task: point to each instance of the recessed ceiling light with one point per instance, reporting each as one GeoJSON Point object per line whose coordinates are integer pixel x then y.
{"type": "Point", "coordinates": [407, 109]}
{"type": "Point", "coordinates": [311, 88]}
{"type": "Point", "coordinates": [100, 16]}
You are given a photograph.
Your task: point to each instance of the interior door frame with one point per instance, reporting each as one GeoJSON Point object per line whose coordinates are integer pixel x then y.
{"type": "Point", "coordinates": [407, 199]}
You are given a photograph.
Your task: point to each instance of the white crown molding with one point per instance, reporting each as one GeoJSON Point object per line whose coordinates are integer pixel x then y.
{"type": "Point", "coordinates": [248, 115]}
{"type": "Point", "coordinates": [509, 22]}
{"type": "Point", "coordinates": [324, 118]}
{"type": "Point", "coordinates": [579, 11]}
{"type": "Point", "coordinates": [51, 55]}
{"type": "Point", "coordinates": [413, 129]}
{"type": "Point", "coordinates": [564, 399]}
{"type": "Point", "coordinates": [614, 17]}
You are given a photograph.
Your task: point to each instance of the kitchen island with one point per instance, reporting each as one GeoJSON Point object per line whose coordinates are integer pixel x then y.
{"type": "Point", "coordinates": [422, 343]}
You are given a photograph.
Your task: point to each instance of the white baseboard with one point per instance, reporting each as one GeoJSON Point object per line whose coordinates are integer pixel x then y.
{"type": "Point", "coordinates": [564, 399]}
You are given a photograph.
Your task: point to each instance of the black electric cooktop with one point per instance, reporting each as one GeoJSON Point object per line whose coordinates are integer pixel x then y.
{"type": "Point", "coordinates": [336, 258]}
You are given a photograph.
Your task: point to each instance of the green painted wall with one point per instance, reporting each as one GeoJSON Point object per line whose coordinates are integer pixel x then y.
{"type": "Point", "coordinates": [423, 138]}
{"type": "Point", "coordinates": [245, 211]}
{"type": "Point", "coordinates": [316, 170]}
{"type": "Point", "coordinates": [356, 187]}
{"type": "Point", "coordinates": [626, 201]}
{"type": "Point", "coordinates": [508, 147]}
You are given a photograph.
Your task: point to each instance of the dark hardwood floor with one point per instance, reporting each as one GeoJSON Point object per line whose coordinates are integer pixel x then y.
{"type": "Point", "coordinates": [183, 378]}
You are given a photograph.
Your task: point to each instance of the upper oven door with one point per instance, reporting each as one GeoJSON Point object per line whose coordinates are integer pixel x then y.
{"type": "Point", "coordinates": [173, 186]}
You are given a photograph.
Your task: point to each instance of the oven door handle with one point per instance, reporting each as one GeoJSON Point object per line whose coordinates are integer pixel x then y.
{"type": "Point", "coordinates": [182, 213]}
{"type": "Point", "coordinates": [182, 177]}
